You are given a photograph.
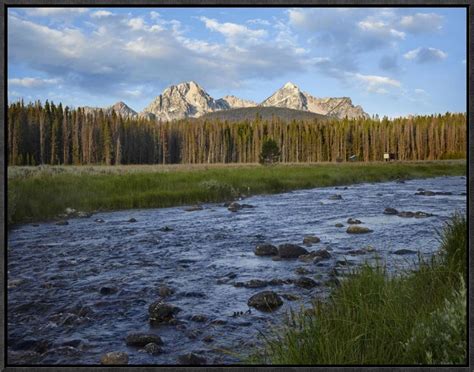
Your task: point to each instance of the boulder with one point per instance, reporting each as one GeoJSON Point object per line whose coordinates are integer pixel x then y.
{"type": "Point", "coordinates": [290, 251]}
{"type": "Point", "coordinates": [265, 301]}
{"type": "Point", "coordinates": [358, 230]}
{"type": "Point", "coordinates": [335, 197]}
{"type": "Point", "coordinates": [161, 312]}
{"type": "Point", "coordinates": [353, 221]}
{"type": "Point", "coordinates": [266, 250]}
{"type": "Point", "coordinates": [114, 357]}
{"type": "Point", "coordinates": [62, 223]}
{"type": "Point", "coordinates": [390, 211]}
{"type": "Point", "coordinates": [253, 283]}
{"type": "Point", "coordinates": [305, 282]}
{"type": "Point", "coordinates": [141, 339]}
{"type": "Point", "coordinates": [153, 349]}
{"type": "Point", "coordinates": [191, 359]}
{"type": "Point", "coordinates": [404, 251]}
{"type": "Point", "coordinates": [132, 220]}
{"type": "Point", "coordinates": [311, 239]}
{"type": "Point", "coordinates": [339, 225]}
{"type": "Point", "coordinates": [425, 193]}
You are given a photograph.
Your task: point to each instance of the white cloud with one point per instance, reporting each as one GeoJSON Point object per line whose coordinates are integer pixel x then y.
{"type": "Point", "coordinates": [155, 15]}
{"type": "Point", "coordinates": [375, 83]}
{"type": "Point", "coordinates": [424, 55]}
{"type": "Point", "coordinates": [421, 23]}
{"type": "Point", "coordinates": [234, 32]}
{"type": "Point", "coordinates": [101, 14]}
{"type": "Point", "coordinates": [380, 29]}
{"type": "Point", "coordinates": [29, 82]}
{"type": "Point", "coordinates": [136, 24]}
{"type": "Point", "coordinates": [258, 21]}
{"type": "Point", "coordinates": [47, 12]}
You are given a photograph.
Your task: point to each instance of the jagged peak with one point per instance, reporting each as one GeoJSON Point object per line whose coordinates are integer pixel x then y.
{"type": "Point", "coordinates": [291, 85]}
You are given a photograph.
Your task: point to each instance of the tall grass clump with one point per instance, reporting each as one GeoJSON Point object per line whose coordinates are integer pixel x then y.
{"type": "Point", "coordinates": [373, 318]}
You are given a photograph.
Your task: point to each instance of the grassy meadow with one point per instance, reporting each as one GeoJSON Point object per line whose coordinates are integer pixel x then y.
{"type": "Point", "coordinates": [40, 193]}
{"type": "Point", "coordinates": [412, 318]}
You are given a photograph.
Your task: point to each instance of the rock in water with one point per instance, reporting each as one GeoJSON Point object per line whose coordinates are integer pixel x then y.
{"type": "Point", "coordinates": [353, 221]}
{"type": "Point", "coordinates": [305, 282]}
{"type": "Point", "coordinates": [234, 207]}
{"type": "Point", "coordinates": [291, 251]}
{"type": "Point", "coordinates": [390, 211]}
{"type": "Point", "coordinates": [406, 214]}
{"type": "Point", "coordinates": [335, 197]}
{"type": "Point", "coordinates": [339, 225]}
{"type": "Point", "coordinates": [266, 250]}
{"type": "Point", "coordinates": [265, 301]}
{"type": "Point", "coordinates": [142, 339]}
{"type": "Point", "coordinates": [114, 357]}
{"type": "Point", "coordinates": [153, 348]}
{"type": "Point", "coordinates": [191, 359]}
{"type": "Point", "coordinates": [62, 223]}
{"type": "Point", "coordinates": [311, 239]}
{"type": "Point", "coordinates": [354, 229]}
{"type": "Point", "coordinates": [193, 208]}
{"type": "Point", "coordinates": [161, 312]}
{"type": "Point", "coordinates": [165, 291]}
{"type": "Point", "coordinates": [404, 251]}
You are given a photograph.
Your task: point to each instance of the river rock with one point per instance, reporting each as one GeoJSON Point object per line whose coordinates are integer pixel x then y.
{"type": "Point", "coordinates": [234, 207]}
{"type": "Point", "coordinates": [165, 291]}
{"type": "Point", "coordinates": [404, 251]}
{"type": "Point", "coordinates": [420, 214]}
{"type": "Point", "coordinates": [62, 223]}
{"type": "Point", "coordinates": [311, 239]}
{"type": "Point", "coordinates": [290, 251]}
{"type": "Point", "coordinates": [390, 211]}
{"type": "Point", "coordinates": [193, 208]}
{"type": "Point", "coordinates": [99, 220]}
{"type": "Point", "coordinates": [108, 290]}
{"type": "Point", "coordinates": [142, 339]}
{"type": "Point", "coordinates": [305, 282]}
{"type": "Point", "coordinates": [114, 357]}
{"type": "Point", "coordinates": [321, 254]}
{"type": "Point", "coordinates": [199, 318]}
{"type": "Point", "coordinates": [266, 250]}
{"type": "Point", "coordinates": [265, 301]}
{"type": "Point", "coordinates": [191, 359]}
{"type": "Point", "coordinates": [353, 221]}
{"type": "Point", "coordinates": [253, 283]}
{"type": "Point", "coordinates": [132, 220]}
{"type": "Point", "coordinates": [425, 193]}
{"type": "Point", "coordinates": [161, 312]}
{"type": "Point", "coordinates": [335, 197]}
{"type": "Point", "coordinates": [406, 214]}
{"type": "Point", "coordinates": [339, 225]}
{"type": "Point", "coordinates": [166, 229]}
{"type": "Point", "coordinates": [358, 230]}
{"type": "Point", "coordinates": [153, 348]}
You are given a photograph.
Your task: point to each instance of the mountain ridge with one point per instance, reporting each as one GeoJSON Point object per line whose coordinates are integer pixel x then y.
{"type": "Point", "coordinates": [190, 100]}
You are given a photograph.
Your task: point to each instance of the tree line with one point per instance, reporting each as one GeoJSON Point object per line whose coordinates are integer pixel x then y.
{"type": "Point", "coordinates": [53, 134]}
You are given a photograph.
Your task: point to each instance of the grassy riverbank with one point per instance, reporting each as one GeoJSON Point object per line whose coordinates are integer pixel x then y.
{"type": "Point", "coordinates": [413, 318]}
{"type": "Point", "coordinates": [38, 193]}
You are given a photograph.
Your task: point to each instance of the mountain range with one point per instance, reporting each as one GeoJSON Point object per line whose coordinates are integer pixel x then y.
{"type": "Point", "coordinates": [189, 100]}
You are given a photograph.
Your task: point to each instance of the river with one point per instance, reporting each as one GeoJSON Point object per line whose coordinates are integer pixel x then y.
{"type": "Point", "coordinates": [76, 291]}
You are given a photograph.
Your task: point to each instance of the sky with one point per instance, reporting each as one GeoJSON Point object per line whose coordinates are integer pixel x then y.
{"type": "Point", "coordinates": [391, 61]}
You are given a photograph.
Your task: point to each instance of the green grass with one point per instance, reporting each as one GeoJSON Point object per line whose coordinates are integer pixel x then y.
{"type": "Point", "coordinates": [372, 318]}
{"type": "Point", "coordinates": [39, 193]}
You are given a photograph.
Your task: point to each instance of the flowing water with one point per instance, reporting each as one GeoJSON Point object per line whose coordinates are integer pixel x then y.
{"type": "Point", "coordinates": [58, 314]}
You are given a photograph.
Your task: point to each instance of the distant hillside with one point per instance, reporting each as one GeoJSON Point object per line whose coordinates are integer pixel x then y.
{"type": "Point", "coordinates": [266, 113]}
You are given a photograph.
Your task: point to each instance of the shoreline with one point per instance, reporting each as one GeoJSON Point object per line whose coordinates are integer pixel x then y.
{"type": "Point", "coordinates": [96, 189]}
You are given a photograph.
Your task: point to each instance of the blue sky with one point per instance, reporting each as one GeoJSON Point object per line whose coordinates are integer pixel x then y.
{"type": "Point", "coordinates": [391, 61]}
